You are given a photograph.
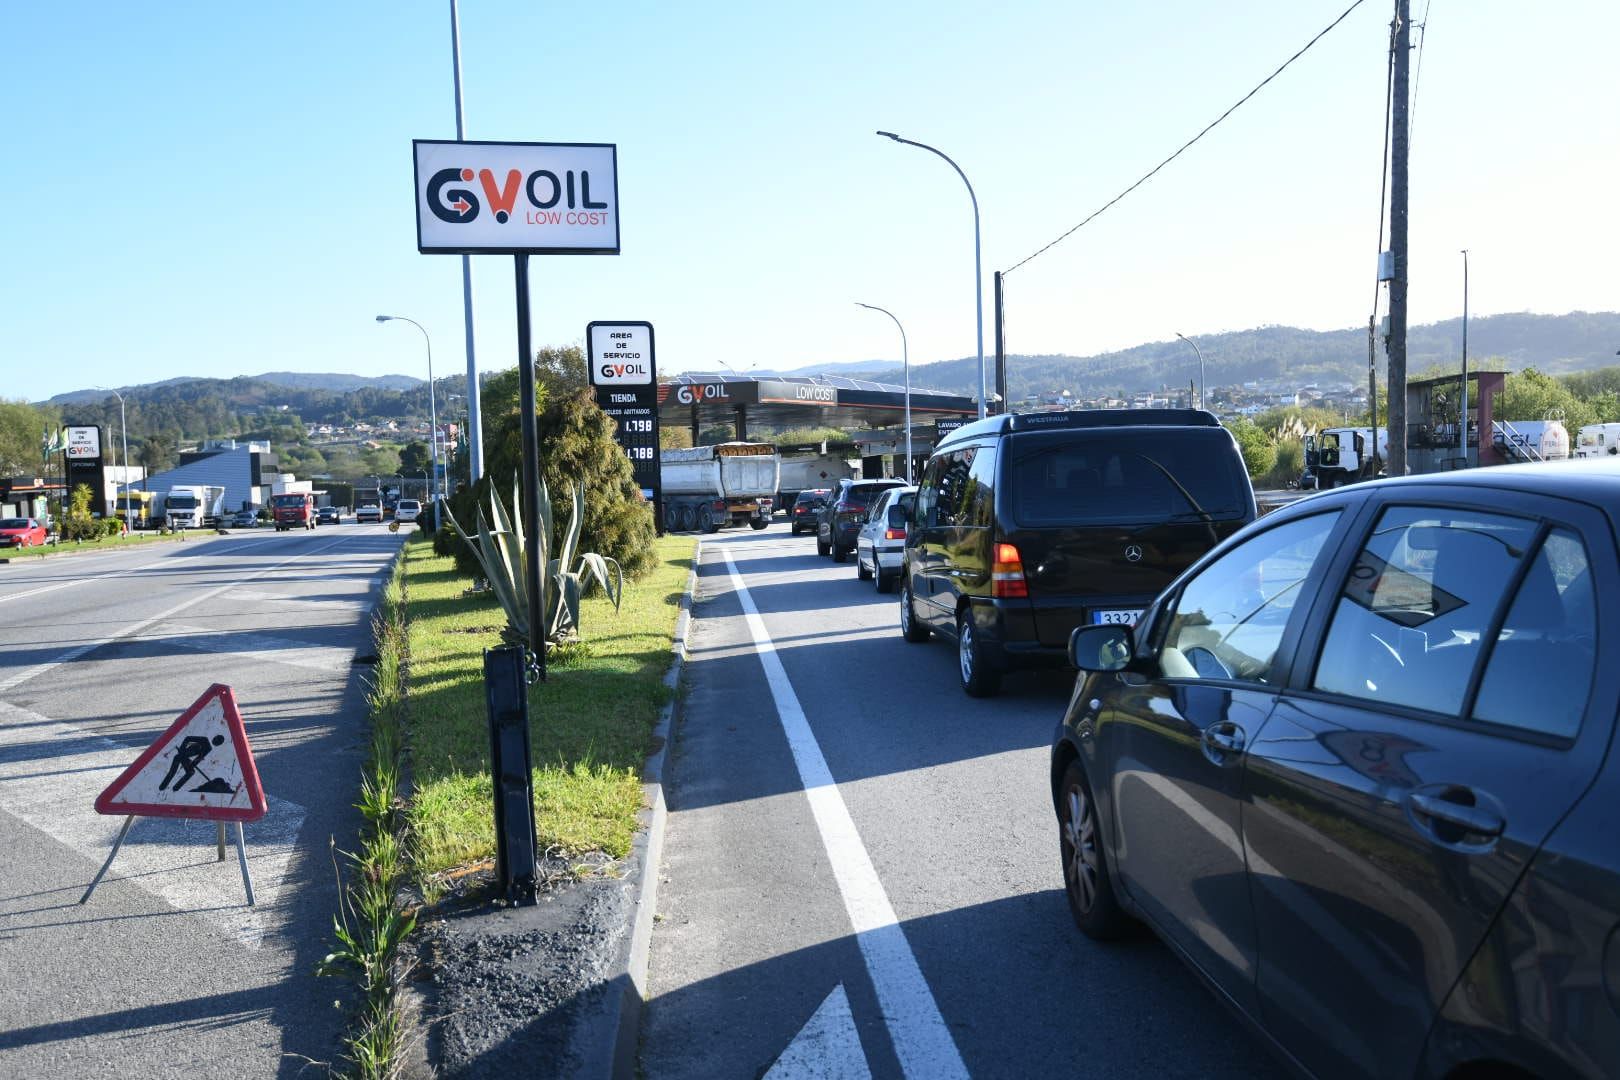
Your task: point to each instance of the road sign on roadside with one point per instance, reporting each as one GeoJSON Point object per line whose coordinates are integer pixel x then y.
{"type": "Point", "coordinates": [202, 767]}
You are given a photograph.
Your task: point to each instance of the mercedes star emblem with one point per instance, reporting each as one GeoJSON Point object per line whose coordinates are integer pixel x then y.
{"type": "Point", "coordinates": [1133, 553]}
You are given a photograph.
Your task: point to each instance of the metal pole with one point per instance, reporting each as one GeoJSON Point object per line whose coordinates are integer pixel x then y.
{"type": "Point", "coordinates": [978, 278]}
{"type": "Point", "coordinates": [1462, 415]}
{"type": "Point", "coordinates": [475, 437]}
{"type": "Point", "coordinates": [1200, 353]}
{"type": "Point", "coordinates": [1400, 103]}
{"type": "Point", "coordinates": [433, 416]}
{"type": "Point", "coordinates": [531, 472]}
{"type": "Point", "coordinates": [905, 361]}
{"type": "Point", "coordinates": [241, 858]}
{"type": "Point", "coordinates": [123, 434]}
{"type": "Point", "coordinates": [111, 855]}
{"type": "Point", "coordinates": [1001, 345]}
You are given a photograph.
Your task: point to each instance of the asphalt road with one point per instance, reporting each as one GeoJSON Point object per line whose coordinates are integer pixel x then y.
{"type": "Point", "coordinates": [860, 873]}
{"type": "Point", "coordinates": [166, 971]}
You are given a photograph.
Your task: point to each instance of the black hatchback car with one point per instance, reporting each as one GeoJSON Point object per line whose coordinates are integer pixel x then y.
{"type": "Point", "coordinates": [1027, 526]}
{"type": "Point", "coordinates": [1354, 767]}
{"type": "Point", "coordinates": [839, 521]}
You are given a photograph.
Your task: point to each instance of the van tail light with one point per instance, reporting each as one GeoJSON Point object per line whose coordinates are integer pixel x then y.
{"type": "Point", "coordinates": [719, 504]}
{"type": "Point", "coordinates": [1007, 574]}
{"type": "Point", "coordinates": [894, 534]}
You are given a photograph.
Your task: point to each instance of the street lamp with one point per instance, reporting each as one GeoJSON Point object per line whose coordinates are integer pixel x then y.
{"type": "Point", "coordinates": [905, 361]}
{"type": "Point", "coordinates": [123, 434]}
{"type": "Point", "coordinates": [1200, 353]}
{"type": "Point", "coordinates": [978, 280]}
{"type": "Point", "coordinates": [433, 416]}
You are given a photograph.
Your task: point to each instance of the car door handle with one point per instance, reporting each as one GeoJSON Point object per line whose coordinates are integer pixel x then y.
{"type": "Point", "coordinates": [1224, 738]}
{"type": "Point", "coordinates": [1478, 820]}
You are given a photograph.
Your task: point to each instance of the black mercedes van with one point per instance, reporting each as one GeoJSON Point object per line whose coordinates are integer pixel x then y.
{"type": "Point", "coordinates": [1027, 526]}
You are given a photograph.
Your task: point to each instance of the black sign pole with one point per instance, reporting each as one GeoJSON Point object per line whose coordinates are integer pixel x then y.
{"type": "Point", "coordinates": [531, 474]}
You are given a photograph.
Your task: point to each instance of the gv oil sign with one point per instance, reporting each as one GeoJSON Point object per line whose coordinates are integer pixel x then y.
{"type": "Point", "coordinates": [507, 198]}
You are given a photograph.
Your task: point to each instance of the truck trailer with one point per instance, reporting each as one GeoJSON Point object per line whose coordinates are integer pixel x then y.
{"type": "Point", "coordinates": [710, 487]}
{"type": "Point", "coordinates": [807, 472]}
{"type": "Point", "coordinates": [194, 506]}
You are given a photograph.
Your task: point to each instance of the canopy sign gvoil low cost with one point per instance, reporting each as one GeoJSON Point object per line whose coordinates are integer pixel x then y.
{"type": "Point", "coordinates": [516, 198]}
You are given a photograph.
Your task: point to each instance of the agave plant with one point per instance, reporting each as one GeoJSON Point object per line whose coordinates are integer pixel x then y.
{"type": "Point", "coordinates": [499, 546]}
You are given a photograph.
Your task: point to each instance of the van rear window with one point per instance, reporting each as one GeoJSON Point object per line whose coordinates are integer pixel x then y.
{"type": "Point", "coordinates": [1125, 476]}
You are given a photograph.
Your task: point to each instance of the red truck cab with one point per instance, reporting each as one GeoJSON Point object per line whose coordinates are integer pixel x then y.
{"type": "Point", "coordinates": [293, 510]}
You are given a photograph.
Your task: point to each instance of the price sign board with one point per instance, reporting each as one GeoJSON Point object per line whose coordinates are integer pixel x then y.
{"type": "Point", "coordinates": [625, 375]}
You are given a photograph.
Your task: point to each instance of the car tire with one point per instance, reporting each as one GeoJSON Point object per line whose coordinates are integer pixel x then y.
{"type": "Point", "coordinates": [883, 582]}
{"type": "Point", "coordinates": [822, 547]}
{"type": "Point", "coordinates": [979, 676]}
{"type": "Point", "coordinates": [1086, 883]}
{"type": "Point", "coordinates": [911, 628]}
{"type": "Point", "coordinates": [839, 553]}
{"type": "Point", "coordinates": [758, 524]}
{"type": "Point", "coordinates": [860, 569]}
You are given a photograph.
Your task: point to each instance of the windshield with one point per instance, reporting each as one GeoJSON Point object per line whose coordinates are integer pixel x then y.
{"type": "Point", "coordinates": [14, 523]}
{"type": "Point", "coordinates": [288, 500]}
{"type": "Point", "coordinates": [859, 498]}
{"type": "Point", "coordinates": [1121, 476]}
{"type": "Point", "coordinates": [182, 502]}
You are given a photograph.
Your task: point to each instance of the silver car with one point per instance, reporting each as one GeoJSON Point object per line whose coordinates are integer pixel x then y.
{"type": "Point", "coordinates": [880, 545]}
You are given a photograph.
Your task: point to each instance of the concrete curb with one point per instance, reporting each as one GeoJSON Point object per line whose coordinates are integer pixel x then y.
{"type": "Point", "coordinates": [629, 976]}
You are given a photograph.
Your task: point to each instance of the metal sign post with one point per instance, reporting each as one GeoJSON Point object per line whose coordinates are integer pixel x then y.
{"type": "Point", "coordinates": [624, 372]}
{"type": "Point", "coordinates": [518, 199]}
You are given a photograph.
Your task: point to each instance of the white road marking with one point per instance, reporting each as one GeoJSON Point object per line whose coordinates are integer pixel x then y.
{"type": "Point", "coordinates": [921, 1040]}
{"type": "Point", "coordinates": [16, 680]}
{"type": "Point", "coordinates": [828, 1047]}
{"type": "Point", "coordinates": [69, 583]}
{"type": "Point", "coordinates": [50, 775]}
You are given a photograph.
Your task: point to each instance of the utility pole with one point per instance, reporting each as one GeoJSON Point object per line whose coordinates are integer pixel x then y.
{"type": "Point", "coordinates": [1399, 148]}
{"type": "Point", "coordinates": [1372, 383]}
{"type": "Point", "coordinates": [475, 423]}
{"type": "Point", "coordinates": [1001, 350]}
{"type": "Point", "coordinates": [1462, 413]}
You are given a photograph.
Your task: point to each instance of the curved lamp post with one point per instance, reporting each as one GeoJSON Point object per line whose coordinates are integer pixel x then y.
{"type": "Point", "coordinates": [978, 279]}
{"type": "Point", "coordinates": [433, 415]}
{"type": "Point", "coordinates": [123, 434]}
{"type": "Point", "coordinates": [1200, 353]}
{"type": "Point", "coordinates": [905, 361]}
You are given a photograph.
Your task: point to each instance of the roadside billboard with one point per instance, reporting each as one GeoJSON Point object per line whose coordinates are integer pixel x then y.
{"type": "Point", "coordinates": [483, 198]}
{"type": "Point", "coordinates": [624, 372]}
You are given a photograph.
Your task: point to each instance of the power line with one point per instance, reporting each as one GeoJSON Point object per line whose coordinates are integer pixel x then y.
{"type": "Point", "coordinates": [1185, 146]}
{"type": "Point", "coordinates": [1417, 76]}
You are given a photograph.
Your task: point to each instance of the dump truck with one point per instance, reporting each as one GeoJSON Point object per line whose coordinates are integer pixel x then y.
{"type": "Point", "coordinates": [1335, 456]}
{"type": "Point", "coordinates": [810, 471]}
{"type": "Point", "coordinates": [710, 487]}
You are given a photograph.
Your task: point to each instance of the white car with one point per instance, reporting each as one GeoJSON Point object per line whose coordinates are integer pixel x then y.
{"type": "Point", "coordinates": [407, 511]}
{"type": "Point", "coordinates": [367, 512]}
{"type": "Point", "coordinates": [880, 546]}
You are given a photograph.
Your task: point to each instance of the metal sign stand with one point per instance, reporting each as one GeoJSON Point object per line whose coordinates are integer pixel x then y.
{"type": "Point", "coordinates": [241, 858]}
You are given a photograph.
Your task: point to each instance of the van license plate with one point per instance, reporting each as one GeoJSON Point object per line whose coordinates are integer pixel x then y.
{"type": "Point", "coordinates": [1122, 618]}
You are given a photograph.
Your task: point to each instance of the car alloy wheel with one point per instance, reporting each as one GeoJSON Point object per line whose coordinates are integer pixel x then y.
{"type": "Point", "coordinates": [1085, 874]}
{"type": "Point", "coordinates": [910, 629]}
{"type": "Point", "coordinates": [979, 679]}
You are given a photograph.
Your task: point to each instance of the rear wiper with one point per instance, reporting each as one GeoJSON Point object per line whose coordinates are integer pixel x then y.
{"type": "Point", "coordinates": [1198, 511]}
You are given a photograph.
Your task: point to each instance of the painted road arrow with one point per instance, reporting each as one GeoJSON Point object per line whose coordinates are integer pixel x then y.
{"type": "Point", "coordinates": [826, 1048]}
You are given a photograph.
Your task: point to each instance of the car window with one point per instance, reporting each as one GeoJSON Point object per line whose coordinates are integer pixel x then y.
{"type": "Point", "coordinates": [955, 501]}
{"type": "Point", "coordinates": [1410, 622]}
{"type": "Point", "coordinates": [1540, 669]}
{"type": "Point", "coordinates": [1118, 475]}
{"type": "Point", "coordinates": [1229, 619]}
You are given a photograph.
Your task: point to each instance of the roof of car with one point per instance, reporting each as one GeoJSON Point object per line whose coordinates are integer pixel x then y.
{"type": "Point", "coordinates": [1592, 480]}
{"type": "Point", "coordinates": [1080, 418]}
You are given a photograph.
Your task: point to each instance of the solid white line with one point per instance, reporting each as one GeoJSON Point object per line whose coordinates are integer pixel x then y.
{"type": "Point", "coordinates": [74, 653]}
{"type": "Point", "coordinates": [921, 1040]}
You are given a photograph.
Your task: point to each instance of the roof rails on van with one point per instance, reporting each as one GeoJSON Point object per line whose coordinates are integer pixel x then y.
{"type": "Point", "coordinates": [1082, 418]}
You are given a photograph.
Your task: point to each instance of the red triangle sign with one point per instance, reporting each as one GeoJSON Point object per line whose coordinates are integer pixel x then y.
{"type": "Point", "coordinates": [202, 767]}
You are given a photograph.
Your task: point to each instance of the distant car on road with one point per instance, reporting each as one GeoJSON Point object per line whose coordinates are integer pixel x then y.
{"type": "Point", "coordinates": [841, 518]}
{"type": "Point", "coordinates": [245, 519]}
{"type": "Point", "coordinates": [368, 512]}
{"type": "Point", "coordinates": [1355, 767]}
{"type": "Point", "coordinates": [407, 511]}
{"type": "Point", "coordinates": [880, 546]}
{"type": "Point", "coordinates": [802, 516]}
{"type": "Point", "coordinates": [21, 532]}
{"type": "Point", "coordinates": [328, 515]}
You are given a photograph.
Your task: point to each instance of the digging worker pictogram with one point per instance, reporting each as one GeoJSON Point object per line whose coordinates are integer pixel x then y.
{"type": "Point", "coordinates": [188, 755]}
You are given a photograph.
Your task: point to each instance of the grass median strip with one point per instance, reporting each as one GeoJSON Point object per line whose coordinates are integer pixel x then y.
{"type": "Point", "coordinates": [591, 721]}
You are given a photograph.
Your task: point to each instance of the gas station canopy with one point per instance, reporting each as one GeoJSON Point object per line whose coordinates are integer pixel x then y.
{"type": "Point", "coordinates": [701, 400]}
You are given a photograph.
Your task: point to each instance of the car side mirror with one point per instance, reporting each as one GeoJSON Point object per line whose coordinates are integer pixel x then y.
{"type": "Point", "coordinates": [1106, 647]}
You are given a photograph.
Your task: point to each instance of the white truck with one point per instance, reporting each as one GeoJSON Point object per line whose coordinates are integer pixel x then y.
{"type": "Point", "coordinates": [806, 472]}
{"type": "Point", "coordinates": [1335, 456]}
{"type": "Point", "coordinates": [193, 506]}
{"type": "Point", "coordinates": [710, 487]}
{"type": "Point", "coordinates": [1598, 440]}
{"type": "Point", "coordinates": [1531, 440]}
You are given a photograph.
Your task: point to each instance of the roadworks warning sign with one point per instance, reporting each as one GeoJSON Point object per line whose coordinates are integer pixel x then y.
{"type": "Point", "coordinates": [202, 767]}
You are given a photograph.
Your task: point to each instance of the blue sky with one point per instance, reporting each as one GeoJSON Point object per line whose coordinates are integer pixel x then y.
{"type": "Point", "coordinates": [223, 189]}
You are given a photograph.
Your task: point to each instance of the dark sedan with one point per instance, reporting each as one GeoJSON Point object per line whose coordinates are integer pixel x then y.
{"type": "Point", "coordinates": [1353, 767]}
